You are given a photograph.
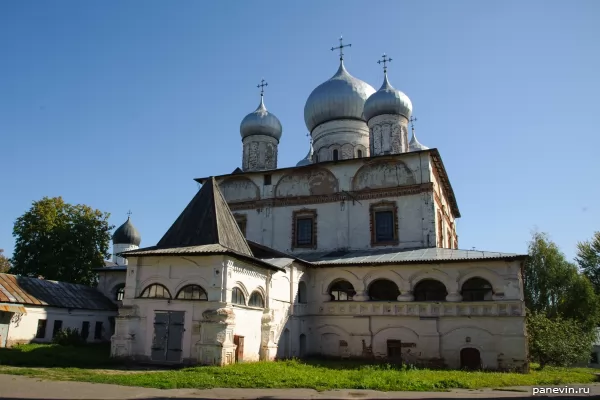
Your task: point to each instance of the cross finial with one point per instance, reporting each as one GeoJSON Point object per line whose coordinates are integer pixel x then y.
{"type": "Point", "coordinates": [384, 60]}
{"type": "Point", "coordinates": [341, 48]}
{"type": "Point", "coordinates": [262, 87]}
{"type": "Point", "coordinates": [128, 214]}
{"type": "Point", "coordinates": [412, 122]}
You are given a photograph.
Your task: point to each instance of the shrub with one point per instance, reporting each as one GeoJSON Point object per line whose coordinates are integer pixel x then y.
{"type": "Point", "coordinates": [68, 337]}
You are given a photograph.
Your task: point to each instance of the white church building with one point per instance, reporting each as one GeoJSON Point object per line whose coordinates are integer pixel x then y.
{"type": "Point", "coordinates": [353, 253]}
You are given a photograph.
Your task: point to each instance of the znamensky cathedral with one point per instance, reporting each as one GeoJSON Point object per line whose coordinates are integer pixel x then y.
{"type": "Point", "coordinates": [351, 253]}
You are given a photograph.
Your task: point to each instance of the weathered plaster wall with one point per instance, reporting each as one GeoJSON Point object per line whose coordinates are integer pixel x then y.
{"type": "Point", "coordinates": [341, 194]}
{"type": "Point", "coordinates": [109, 281]}
{"type": "Point", "coordinates": [23, 328]}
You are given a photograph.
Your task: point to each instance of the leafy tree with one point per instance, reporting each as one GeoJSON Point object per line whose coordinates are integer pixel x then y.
{"type": "Point", "coordinates": [588, 258]}
{"type": "Point", "coordinates": [557, 341]}
{"type": "Point", "coordinates": [4, 262]}
{"type": "Point", "coordinates": [61, 241]}
{"type": "Point", "coordinates": [553, 286]}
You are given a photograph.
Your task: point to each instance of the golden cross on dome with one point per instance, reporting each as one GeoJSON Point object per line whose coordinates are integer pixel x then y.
{"type": "Point", "coordinates": [262, 86]}
{"type": "Point", "coordinates": [341, 48]}
{"type": "Point", "coordinates": [384, 60]}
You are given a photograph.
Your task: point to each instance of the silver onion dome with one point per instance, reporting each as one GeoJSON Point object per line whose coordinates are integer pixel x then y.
{"type": "Point", "coordinates": [341, 97]}
{"type": "Point", "coordinates": [306, 160]}
{"type": "Point", "coordinates": [261, 122]}
{"type": "Point", "coordinates": [127, 234]}
{"type": "Point", "coordinates": [387, 100]}
{"type": "Point", "coordinates": [415, 145]}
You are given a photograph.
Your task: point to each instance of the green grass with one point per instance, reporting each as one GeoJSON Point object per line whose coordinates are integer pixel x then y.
{"type": "Point", "coordinates": [319, 375]}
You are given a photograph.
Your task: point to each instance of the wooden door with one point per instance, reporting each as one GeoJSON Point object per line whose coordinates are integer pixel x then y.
{"type": "Point", "coordinates": [394, 351]}
{"type": "Point", "coordinates": [470, 358]}
{"type": "Point", "coordinates": [167, 342]}
{"type": "Point", "coordinates": [239, 350]}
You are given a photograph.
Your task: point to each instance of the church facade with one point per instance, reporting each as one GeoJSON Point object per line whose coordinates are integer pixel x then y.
{"type": "Point", "coordinates": [351, 253]}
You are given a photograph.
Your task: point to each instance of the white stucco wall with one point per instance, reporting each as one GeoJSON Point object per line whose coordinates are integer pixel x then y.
{"type": "Point", "coordinates": [23, 329]}
{"type": "Point", "coordinates": [109, 281]}
{"type": "Point", "coordinates": [343, 223]}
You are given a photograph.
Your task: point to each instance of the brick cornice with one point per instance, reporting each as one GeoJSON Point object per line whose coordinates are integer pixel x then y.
{"type": "Point", "coordinates": [366, 194]}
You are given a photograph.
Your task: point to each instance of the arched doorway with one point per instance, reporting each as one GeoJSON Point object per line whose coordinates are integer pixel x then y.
{"type": "Point", "coordinates": [302, 345]}
{"type": "Point", "coordinates": [470, 359]}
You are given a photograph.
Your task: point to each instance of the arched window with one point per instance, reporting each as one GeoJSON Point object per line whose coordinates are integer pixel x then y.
{"type": "Point", "coordinates": [156, 291]}
{"type": "Point", "coordinates": [256, 300]}
{"type": "Point", "coordinates": [237, 297]}
{"type": "Point", "coordinates": [335, 155]}
{"type": "Point", "coordinates": [342, 290]}
{"type": "Point", "coordinates": [359, 153]}
{"type": "Point", "coordinates": [119, 292]}
{"type": "Point", "coordinates": [383, 290]}
{"type": "Point", "coordinates": [192, 292]}
{"type": "Point", "coordinates": [302, 297]}
{"type": "Point", "coordinates": [430, 290]}
{"type": "Point", "coordinates": [476, 289]}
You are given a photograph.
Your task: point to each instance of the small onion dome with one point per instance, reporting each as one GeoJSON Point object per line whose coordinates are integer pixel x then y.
{"type": "Point", "coordinates": [127, 234]}
{"type": "Point", "coordinates": [415, 145]}
{"type": "Point", "coordinates": [306, 160]}
{"type": "Point", "coordinates": [261, 122]}
{"type": "Point", "coordinates": [388, 100]}
{"type": "Point", "coordinates": [341, 97]}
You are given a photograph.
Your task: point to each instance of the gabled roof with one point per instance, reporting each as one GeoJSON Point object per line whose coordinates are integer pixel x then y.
{"type": "Point", "coordinates": [206, 220]}
{"type": "Point", "coordinates": [40, 292]}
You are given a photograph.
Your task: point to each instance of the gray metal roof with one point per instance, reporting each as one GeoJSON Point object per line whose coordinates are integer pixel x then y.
{"type": "Point", "coordinates": [199, 250]}
{"type": "Point", "coordinates": [410, 256]}
{"type": "Point", "coordinates": [279, 262]}
{"type": "Point", "coordinates": [41, 292]}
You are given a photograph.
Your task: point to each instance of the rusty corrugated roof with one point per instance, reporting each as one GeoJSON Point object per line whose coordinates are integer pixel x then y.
{"type": "Point", "coordinates": [41, 292]}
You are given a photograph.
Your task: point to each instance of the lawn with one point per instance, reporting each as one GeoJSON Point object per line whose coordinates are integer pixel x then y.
{"type": "Point", "coordinates": [92, 364]}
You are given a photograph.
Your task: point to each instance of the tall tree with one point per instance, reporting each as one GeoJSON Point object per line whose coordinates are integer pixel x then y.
{"type": "Point", "coordinates": [588, 258]}
{"type": "Point", "coordinates": [554, 286]}
{"type": "Point", "coordinates": [61, 241]}
{"type": "Point", "coordinates": [4, 262]}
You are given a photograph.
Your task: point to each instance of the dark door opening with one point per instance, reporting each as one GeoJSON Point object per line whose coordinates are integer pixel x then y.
{"type": "Point", "coordinates": [168, 336]}
{"type": "Point", "coordinates": [394, 351]}
{"type": "Point", "coordinates": [302, 345]}
{"type": "Point", "coordinates": [470, 359]}
{"type": "Point", "coordinates": [239, 350]}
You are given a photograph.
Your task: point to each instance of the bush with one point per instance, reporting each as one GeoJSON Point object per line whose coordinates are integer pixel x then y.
{"type": "Point", "coordinates": [68, 337]}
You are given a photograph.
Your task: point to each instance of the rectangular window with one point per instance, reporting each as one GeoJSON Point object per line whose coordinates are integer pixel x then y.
{"type": "Point", "coordinates": [384, 224]}
{"type": "Point", "coordinates": [57, 327]}
{"type": "Point", "coordinates": [304, 229]}
{"type": "Point", "coordinates": [98, 330]}
{"type": "Point", "coordinates": [41, 329]}
{"type": "Point", "coordinates": [267, 179]}
{"type": "Point", "coordinates": [85, 330]}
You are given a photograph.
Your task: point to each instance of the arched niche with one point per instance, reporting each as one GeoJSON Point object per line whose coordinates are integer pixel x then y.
{"type": "Point", "coordinates": [239, 189]}
{"type": "Point", "coordinates": [383, 174]}
{"type": "Point", "coordinates": [316, 181]}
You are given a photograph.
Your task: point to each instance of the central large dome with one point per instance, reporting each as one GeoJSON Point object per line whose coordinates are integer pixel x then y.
{"type": "Point", "coordinates": [341, 97]}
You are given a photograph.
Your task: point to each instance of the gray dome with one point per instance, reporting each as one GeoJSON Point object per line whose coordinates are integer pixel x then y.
{"type": "Point", "coordinates": [341, 97]}
{"type": "Point", "coordinates": [388, 100]}
{"type": "Point", "coordinates": [415, 145]}
{"type": "Point", "coordinates": [306, 160]}
{"type": "Point", "coordinates": [127, 234]}
{"type": "Point", "coordinates": [261, 122]}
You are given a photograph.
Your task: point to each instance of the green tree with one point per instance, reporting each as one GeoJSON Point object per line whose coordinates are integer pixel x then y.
{"type": "Point", "coordinates": [4, 262]}
{"type": "Point", "coordinates": [61, 241]}
{"type": "Point", "coordinates": [557, 341]}
{"type": "Point", "coordinates": [588, 258]}
{"type": "Point", "coordinates": [553, 286]}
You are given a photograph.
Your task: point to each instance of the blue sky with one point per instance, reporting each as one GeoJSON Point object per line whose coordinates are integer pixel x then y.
{"type": "Point", "coordinates": [120, 104]}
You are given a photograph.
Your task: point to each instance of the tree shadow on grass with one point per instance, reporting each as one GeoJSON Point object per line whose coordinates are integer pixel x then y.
{"type": "Point", "coordinates": [90, 356]}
